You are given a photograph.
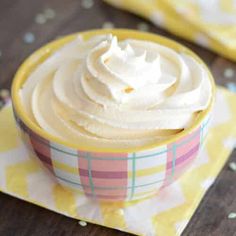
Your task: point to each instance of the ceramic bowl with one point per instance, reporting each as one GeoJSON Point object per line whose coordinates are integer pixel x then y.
{"type": "Point", "coordinates": [111, 175]}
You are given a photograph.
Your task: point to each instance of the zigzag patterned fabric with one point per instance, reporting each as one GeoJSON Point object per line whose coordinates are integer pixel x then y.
{"type": "Point", "coordinates": [211, 23]}
{"type": "Point", "coordinates": [167, 213]}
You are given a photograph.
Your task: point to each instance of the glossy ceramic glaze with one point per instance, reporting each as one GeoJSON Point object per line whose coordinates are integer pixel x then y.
{"type": "Point", "coordinates": [111, 175]}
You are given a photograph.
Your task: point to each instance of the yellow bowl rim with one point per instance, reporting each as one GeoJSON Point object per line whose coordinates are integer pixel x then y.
{"type": "Point", "coordinates": [44, 52]}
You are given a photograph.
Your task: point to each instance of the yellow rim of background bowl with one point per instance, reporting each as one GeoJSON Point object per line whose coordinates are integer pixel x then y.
{"type": "Point", "coordinates": [43, 53]}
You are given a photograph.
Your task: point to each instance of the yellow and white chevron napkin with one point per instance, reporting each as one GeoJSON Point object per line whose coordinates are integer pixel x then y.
{"type": "Point", "coordinates": [167, 213]}
{"type": "Point", "coordinates": [210, 23]}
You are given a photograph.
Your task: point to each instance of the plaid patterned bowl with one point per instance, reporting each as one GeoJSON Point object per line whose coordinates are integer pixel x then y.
{"type": "Point", "coordinates": [110, 175]}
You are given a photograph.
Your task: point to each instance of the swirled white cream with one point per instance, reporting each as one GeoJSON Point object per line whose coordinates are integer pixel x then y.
{"type": "Point", "coordinates": [105, 93]}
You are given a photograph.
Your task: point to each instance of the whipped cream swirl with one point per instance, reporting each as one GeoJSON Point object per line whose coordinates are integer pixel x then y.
{"type": "Point", "coordinates": [105, 93]}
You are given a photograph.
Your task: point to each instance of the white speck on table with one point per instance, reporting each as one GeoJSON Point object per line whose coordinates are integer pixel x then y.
{"type": "Point", "coordinates": [87, 4]}
{"type": "Point", "coordinates": [232, 166]}
{"type": "Point", "coordinates": [231, 86]}
{"type": "Point", "coordinates": [49, 13]}
{"type": "Point", "coordinates": [29, 38]}
{"type": "Point", "coordinates": [82, 223]}
{"type": "Point", "coordinates": [40, 19]}
{"type": "Point", "coordinates": [228, 73]}
{"type": "Point", "coordinates": [232, 215]}
{"type": "Point", "coordinates": [108, 25]}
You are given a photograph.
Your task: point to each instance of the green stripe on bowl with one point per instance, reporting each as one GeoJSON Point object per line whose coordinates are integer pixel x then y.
{"type": "Point", "coordinates": [133, 175]}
